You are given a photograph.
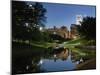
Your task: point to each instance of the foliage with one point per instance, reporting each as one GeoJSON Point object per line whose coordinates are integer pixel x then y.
{"type": "Point", "coordinates": [27, 19]}
{"type": "Point", "coordinates": [39, 17]}
{"type": "Point", "coordinates": [88, 28]}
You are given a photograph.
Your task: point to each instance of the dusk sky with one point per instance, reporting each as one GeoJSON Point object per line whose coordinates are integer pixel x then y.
{"type": "Point", "coordinates": [65, 14]}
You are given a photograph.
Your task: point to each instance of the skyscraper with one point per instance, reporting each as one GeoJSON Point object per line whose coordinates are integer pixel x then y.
{"type": "Point", "coordinates": [79, 19]}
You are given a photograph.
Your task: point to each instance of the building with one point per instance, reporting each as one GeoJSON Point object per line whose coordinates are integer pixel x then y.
{"type": "Point", "coordinates": [74, 31]}
{"type": "Point", "coordinates": [79, 19]}
{"type": "Point", "coordinates": [74, 27]}
{"type": "Point", "coordinates": [62, 31]}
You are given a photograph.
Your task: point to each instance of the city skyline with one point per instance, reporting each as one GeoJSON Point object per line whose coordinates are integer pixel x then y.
{"type": "Point", "coordinates": [65, 14]}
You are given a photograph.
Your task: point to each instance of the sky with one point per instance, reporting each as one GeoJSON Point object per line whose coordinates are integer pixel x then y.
{"type": "Point", "coordinates": [65, 14]}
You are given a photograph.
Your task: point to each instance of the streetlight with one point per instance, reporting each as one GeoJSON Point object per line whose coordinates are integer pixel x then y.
{"type": "Point", "coordinates": [30, 5]}
{"type": "Point", "coordinates": [40, 28]}
{"type": "Point", "coordinates": [26, 24]}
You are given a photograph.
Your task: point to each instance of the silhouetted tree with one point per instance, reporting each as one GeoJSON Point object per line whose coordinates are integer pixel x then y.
{"type": "Point", "coordinates": [88, 28]}
{"type": "Point", "coordinates": [63, 27]}
{"type": "Point", "coordinates": [18, 17]}
{"type": "Point", "coordinates": [39, 17]}
{"type": "Point", "coordinates": [39, 20]}
{"type": "Point", "coordinates": [27, 19]}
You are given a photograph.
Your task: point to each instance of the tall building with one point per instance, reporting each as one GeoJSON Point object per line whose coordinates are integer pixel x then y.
{"type": "Point", "coordinates": [74, 33]}
{"type": "Point", "coordinates": [79, 19]}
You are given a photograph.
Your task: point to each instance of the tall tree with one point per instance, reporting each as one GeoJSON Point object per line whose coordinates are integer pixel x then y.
{"type": "Point", "coordinates": [27, 18]}
{"type": "Point", "coordinates": [88, 28]}
{"type": "Point", "coordinates": [18, 19]}
{"type": "Point", "coordinates": [39, 14]}
{"type": "Point", "coordinates": [39, 20]}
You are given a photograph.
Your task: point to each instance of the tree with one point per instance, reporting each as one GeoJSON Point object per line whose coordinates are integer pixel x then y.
{"type": "Point", "coordinates": [39, 17]}
{"type": "Point", "coordinates": [27, 19]}
{"type": "Point", "coordinates": [88, 28]}
{"type": "Point", "coordinates": [39, 20]}
{"type": "Point", "coordinates": [18, 18]}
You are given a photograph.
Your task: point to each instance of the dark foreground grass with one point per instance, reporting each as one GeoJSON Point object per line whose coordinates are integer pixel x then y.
{"type": "Point", "coordinates": [23, 49]}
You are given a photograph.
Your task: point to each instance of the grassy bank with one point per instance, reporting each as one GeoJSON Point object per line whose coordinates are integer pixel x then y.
{"type": "Point", "coordinates": [80, 52]}
{"type": "Point", "coordinates": [27, 49]}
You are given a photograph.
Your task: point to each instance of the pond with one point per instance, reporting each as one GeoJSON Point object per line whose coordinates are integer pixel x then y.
{"type": "Point", "coordinates": [65, 60]}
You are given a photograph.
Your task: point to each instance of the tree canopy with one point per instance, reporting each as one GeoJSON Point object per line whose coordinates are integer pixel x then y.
{"type": "Point", "coordinates": [88, 28]}
{"type": "Point", "coordinates": [27, 19]}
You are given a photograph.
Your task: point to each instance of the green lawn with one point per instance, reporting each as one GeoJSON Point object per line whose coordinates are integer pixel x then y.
{"type": "Point", "coordinates": [40, 47]}
{"type": "Point", "coordinates": [86, 53]}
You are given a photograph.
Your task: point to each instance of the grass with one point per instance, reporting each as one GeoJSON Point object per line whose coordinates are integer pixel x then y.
{"type": "Point", "coordinates": [27, 49]}
{"type": "Point", "coordinates": [87, 54]}
{"type": "Point", "coordinates": [35, 43]}
{"type": "Point", "coordinates": [41, 47]}
{"type": "Point", "coordinates": [42, 44]}
{"type": "Point", "coordinates": [75, 41]}
{"type": "Point", "coordinates": [31, 50]}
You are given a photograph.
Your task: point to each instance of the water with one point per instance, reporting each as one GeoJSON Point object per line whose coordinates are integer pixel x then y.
{"type": "Point", "coordinates": [50, 65]}
{"type": "Point", "coordinates": [46, 62]}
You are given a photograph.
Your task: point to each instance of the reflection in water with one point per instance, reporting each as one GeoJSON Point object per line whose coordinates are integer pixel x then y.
{"type": "Point", "coordinates": [27, 67]}
{"type": "Point", "coordinates": [57, 61]}
{"type": "Point", "coordinates": [41, 62]}
{"type": "Point", "coordinates": [60, 62]}
{"type": "Point", "coordinates": [81, 60]}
